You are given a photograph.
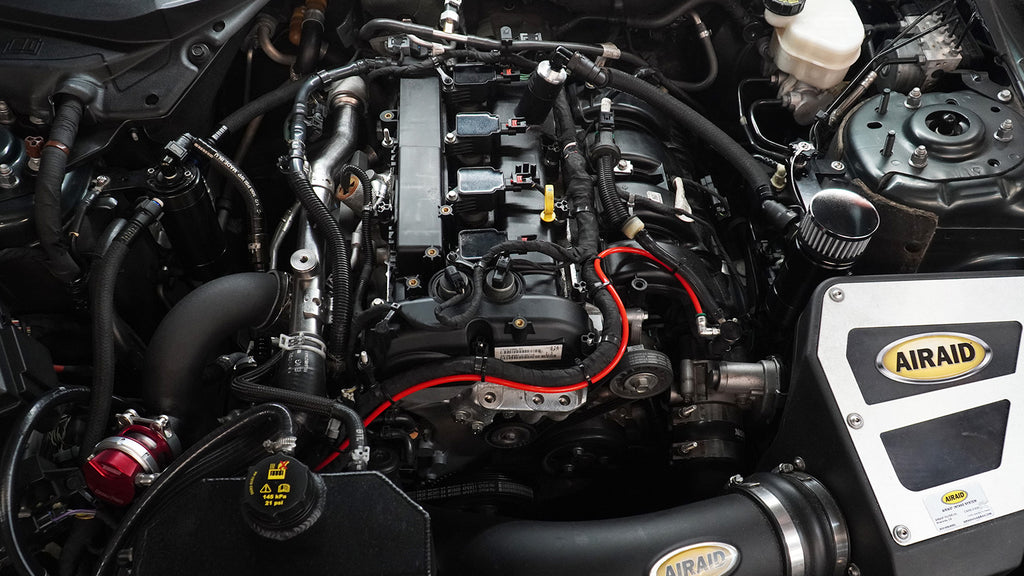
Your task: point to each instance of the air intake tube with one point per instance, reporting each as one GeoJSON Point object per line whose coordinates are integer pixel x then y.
{"type": "Point", "coordinates": [770, 525]}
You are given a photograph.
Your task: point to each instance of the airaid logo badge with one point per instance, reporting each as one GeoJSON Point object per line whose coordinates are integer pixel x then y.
{"type": "Point", "coordinates": [704, 559]}
{"type": "Point", "coordinates": [933, 358]}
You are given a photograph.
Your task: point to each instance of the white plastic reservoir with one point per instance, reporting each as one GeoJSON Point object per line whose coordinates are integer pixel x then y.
{"type": "Point", "coordinates": [818, 45]}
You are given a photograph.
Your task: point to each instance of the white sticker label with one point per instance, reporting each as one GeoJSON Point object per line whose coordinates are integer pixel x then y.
{"type": "Point", "coordinates": [960, 506]}
{"type": "Point", "coordinates": [528, 353]}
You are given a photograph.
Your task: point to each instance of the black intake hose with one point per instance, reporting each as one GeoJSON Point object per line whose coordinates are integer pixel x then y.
{"type": "Point", "coordinates": [749, 168]}
{"type": "Point", "coordinates": [777, 524]}
{"type": "Point", "coordinates": [52, 164]}
{"type": "Point", "coordinates": [188, 336]}
{"type": "Point", "coordinates": [14, 454]}
{"type": "Point", "coordinates": [104, 315]}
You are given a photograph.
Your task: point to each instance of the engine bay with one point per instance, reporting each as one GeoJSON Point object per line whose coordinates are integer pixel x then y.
{"type": "Point", "coordinates": [402, 287]}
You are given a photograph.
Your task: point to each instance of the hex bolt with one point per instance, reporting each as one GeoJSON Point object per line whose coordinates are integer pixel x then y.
{"type": "Point", "coordinates": [461, 416]}
{"type": "Point", "coordinates": [913, 99]}
{"type": "Point", "coordinates": [387, 141]}
{"type": "Point", "coordinates": [1005, 131]}
{"type": "Point", "coordinates": [449, 138]}
{"type": "Point", "coordinates": [8, 179]}
{"type": "Point", "coordinates": [452, 196]}
{"type": "Point", "coordinates": [919, 159]}
{"type": "Point", "coordinates": [836, 294]}
{"type": "Point", "coordinates": [883, 107]}
{"type": "Point", "coordinates": [477, 426]}
{"type": "Point", "coordinates": [688, 447]}
{"type": "Point", "coordinates": [1004, 96]}
{"type": "Point", "coordinates": [855, 421]}
{"type": "Point", "coordinates": [890, 143]}
{"type": "Point", "coordinates": [901, 533]}
{"type": "Point", "coordinates": [839, 166]}
{"type": "Point", "coordinates": [6, 116]}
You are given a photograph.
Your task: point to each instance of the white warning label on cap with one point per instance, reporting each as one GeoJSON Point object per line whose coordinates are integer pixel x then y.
{"type": "Point", "coordinates": [958, 506]}
{"type": "Point", "coordinates": [528, 353]}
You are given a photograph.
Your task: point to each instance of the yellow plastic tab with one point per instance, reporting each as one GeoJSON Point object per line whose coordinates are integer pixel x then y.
{"type": "Point", "coordinates": [548, 215]}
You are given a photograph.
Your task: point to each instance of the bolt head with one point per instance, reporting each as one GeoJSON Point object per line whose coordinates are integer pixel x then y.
{"type": "Point", "coordinates": [490, 397]}
{"type": "Point", "coordinates": [537, 399]}
{"type": "Point", "coordinates": [855, 421]}
{"type": "Point", "coordinates": [564, 400]}
{"type": "Point", "coordinates": [837, 295]}
{"type": "Point", "coordinates": [837, 165]}
{"type": "Point", "coordinates": [1004, 96]}
{"type": "Point", "coordinates": [901, 533]}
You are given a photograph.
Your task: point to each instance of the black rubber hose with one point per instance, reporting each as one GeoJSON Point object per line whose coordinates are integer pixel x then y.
{"type": "Point", "coordinates": [309, 45]}
{"type": "Point", "coordinates": [71, 552]}
{"type": "Point", "coordinates": [14, 454]}
{"type": "Point", "coordinates": [366, 270]}
{"type": "Point", "coordinates": [614, 212]}
{"type": "Point", "coordinates": [189, 335]}
{"type": "Point", "coordinates": [752, 171]}
{"type": "Point", "coordinates": [222, 450]}
{"type": "Point", "coordinates": [592, 50]}
{"type": "Point", "coordinates": [338, 284]}
{"type": "Point", "coordinates": [52, 164]}
{"type": "Point", "coordinates": [258, 107]}
{"type": "Point", "coordinates": [689, 267]}
{"type": "Point", "coordinates": [733, 8]}
{"type": "Point", "coordinates": [253, 204]}
{"type": "Point", "coordinates": [712, 58]}
{"type": "Point", "coordinates": [250, 391]}
{"type": "Point", "coordinates": [104, 316]}
{"type": "Point", "coordinates": [468, 545]}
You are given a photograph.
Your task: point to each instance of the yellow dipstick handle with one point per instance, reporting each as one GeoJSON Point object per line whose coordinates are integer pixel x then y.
{"type": "Point", "coordinates": [548, 215]}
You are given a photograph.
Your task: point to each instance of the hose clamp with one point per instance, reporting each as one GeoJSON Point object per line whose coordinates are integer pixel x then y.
{"type": "Point", "coordinates": [302, 341]}
{"type": "Point", "coordinates": [58, 145]}
{"type": "Point", "coordinates": [785, 526]}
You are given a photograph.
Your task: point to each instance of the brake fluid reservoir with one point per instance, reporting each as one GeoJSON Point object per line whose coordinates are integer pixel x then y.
{"type": "Point", "coordinates": [818, 43]}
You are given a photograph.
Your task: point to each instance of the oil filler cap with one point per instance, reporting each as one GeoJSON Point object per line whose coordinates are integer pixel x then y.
{"type": "Point", "coordinates": [784, 7]}
{"type": "Point", "coordinates": [282, 497]}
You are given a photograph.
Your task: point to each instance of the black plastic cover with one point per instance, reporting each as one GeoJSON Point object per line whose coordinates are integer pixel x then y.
{"type": "Point", "coordinates": [368, 527]}
{"type": "Point", "coordinates": [127, 59]}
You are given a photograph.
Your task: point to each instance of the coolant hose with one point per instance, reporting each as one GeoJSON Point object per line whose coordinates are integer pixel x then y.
{"type": "Point", "coordinates": [14, 454]}
{"type": "Point", "coordinates": [104, 321]}
{"type": "Point", "coordinates": [752, 171]}
{"type": "Point", "coordinates": [233, 445]}
{"type": "Point", "coordinates": [310, 43]}
{"type": "Point", "coordinates": [188, 337]}
{"type": "Point", "coordinates": [251, 391]}
{"type": "Point", "coordinates": [52, 164]}
{"type": "Point", "coordinates": [775, 523]}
